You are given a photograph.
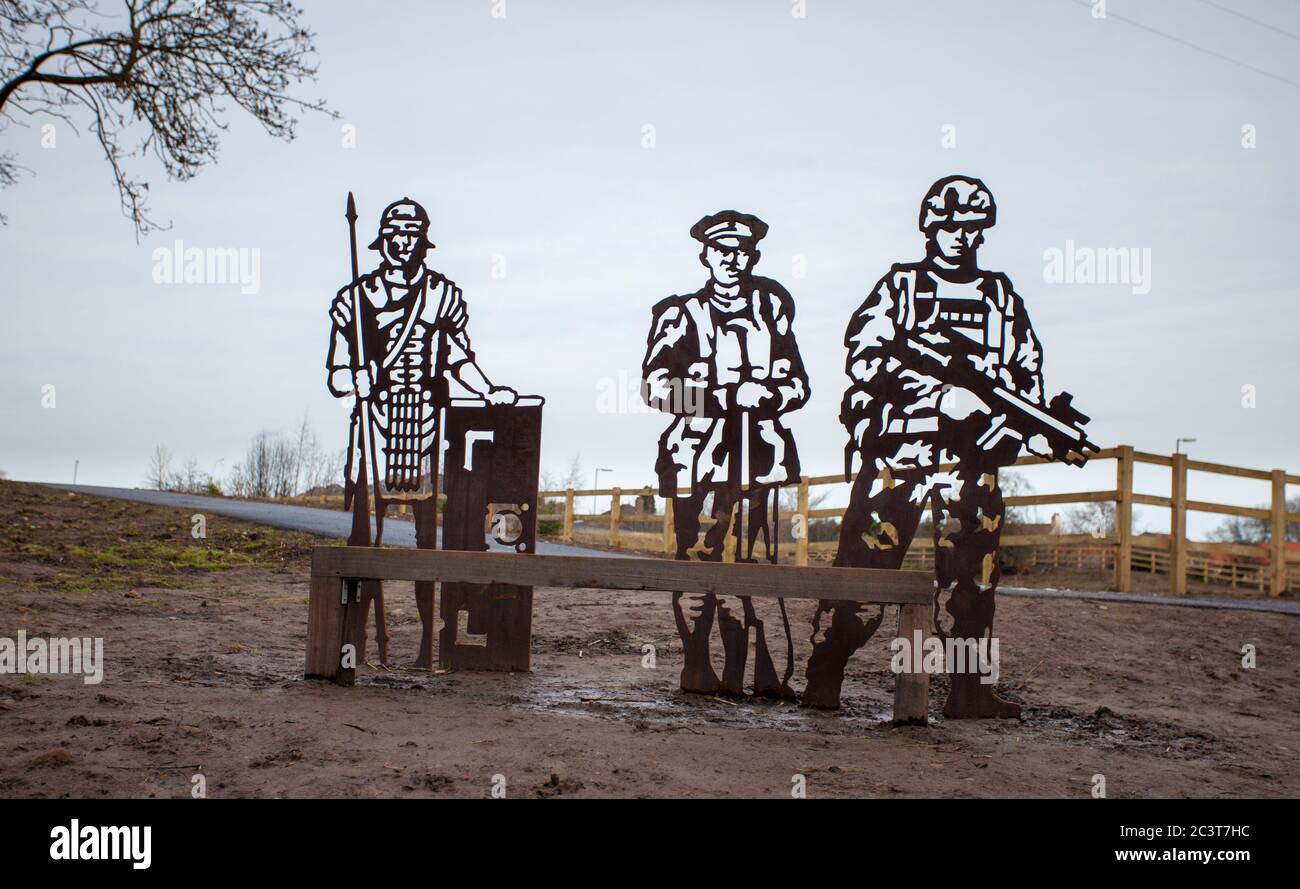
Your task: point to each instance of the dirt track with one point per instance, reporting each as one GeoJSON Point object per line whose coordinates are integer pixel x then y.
{"type": "Point", "coordinates": [204, 644]}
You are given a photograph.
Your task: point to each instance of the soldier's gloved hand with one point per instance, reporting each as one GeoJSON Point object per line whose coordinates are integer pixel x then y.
{"type": "Point", "coordinates": [958, 403]}
{"type": "Point", "coordinates": [341, 311]}
{"type": "Point", "coordinates": [362, 380]}
{"type": "Point", "coordinates": [751, 395]}
{"type": "Point", "coordinates": [1039, 446]}
{"type": "Point", "coordinates": [501, 395]}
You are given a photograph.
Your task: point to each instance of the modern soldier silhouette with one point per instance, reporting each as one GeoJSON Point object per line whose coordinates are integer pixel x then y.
{"type": "Point", "coordinates": [945, 388]}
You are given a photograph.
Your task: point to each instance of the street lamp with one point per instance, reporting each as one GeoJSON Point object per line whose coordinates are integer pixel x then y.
{"type": "Point", "coordinates": [595, 483]}
{"type": "Point", "coordinates": [1178, 444]}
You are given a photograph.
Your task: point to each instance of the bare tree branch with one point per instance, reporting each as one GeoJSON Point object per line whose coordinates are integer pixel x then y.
{"type": "Point", "coordinates": [154, 79]}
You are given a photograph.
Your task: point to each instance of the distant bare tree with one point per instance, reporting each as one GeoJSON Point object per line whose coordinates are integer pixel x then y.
{"type": "Point", "coordinates": [570, 478]}
{"type": "Point", "coordinates": [277, 465]}
{"type": "Point", "coordinates": [153, 79]}
{"type": "Point", "coordinates": [1251, 530]}
{"type": "Point", "coordinates": [1014, 484]}
{"type": "Point", "coordinates": [159, 474]}
{"type": "Point", "coordinates": [1097, 519]}
{"type": "Point", "coordinates": [249, 478]}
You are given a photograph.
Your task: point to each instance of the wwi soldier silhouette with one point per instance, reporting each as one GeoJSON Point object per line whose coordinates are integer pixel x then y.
{"type": "Point", "coordinates": [399, 336]}
{"type": "Point", "coordinates": [724, 362]}
{"type": "Point", "coordinates": [945, 387]}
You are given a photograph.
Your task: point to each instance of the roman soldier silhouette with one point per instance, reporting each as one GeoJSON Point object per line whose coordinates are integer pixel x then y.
{"type": "Point", "coordinates": [399, 337]}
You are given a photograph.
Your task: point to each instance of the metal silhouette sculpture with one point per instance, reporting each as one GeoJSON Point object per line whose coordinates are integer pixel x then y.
{"type": "Point", "coordinates": [724, 362]}
{"type": "Point", "coordinates": [945, 370]}
{"type": "Point", "coordinates": [399, 336]}
{"type": "Point", "coordinates": [493, 458]}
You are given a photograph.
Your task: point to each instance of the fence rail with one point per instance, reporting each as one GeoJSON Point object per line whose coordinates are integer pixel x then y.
{"type": "Point", "coordinates": [1123, 550]}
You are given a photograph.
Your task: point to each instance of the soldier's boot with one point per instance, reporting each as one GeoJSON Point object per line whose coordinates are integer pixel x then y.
{"type": "Point", "coordinates": [968, 698]}
{"type": "Point", "coordinates": [697, 667]}
{"type": "Point", "coordinates": [846, 634]}
{"type": "Point", "coordinates": [735, 650]}
{"type": "Point", "coordinates": [424, 604]}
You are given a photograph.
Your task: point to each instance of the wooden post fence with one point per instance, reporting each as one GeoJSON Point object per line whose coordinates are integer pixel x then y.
{"type": "Point", "coordinates": [1124, 519]}
{"type": "Point", "coordinates": [1178, 525]}
{"type": "Point", "coordinates": [615, 516]}
{"type": "Point", "coordinates": [1277, 534]}
{"type": "Point", "coordinates": [1263, 565]}
{"type": "Point", "coordinates": [801, 537]}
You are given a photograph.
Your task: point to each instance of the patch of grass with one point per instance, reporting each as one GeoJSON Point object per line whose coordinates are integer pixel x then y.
{"type": "Point", "coordinates": [90, 545]}
{"type": "Point", "coordinates": [33, 549]}
{"type": "Point", "coordinates": [110, 558]}
{"type": "Point", "coordinates": [89, 583]}
{"type": "Point", "coordinates": [163, 555]}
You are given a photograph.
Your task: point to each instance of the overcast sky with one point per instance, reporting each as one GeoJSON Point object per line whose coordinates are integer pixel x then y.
{"type": "Point", "coordinates": [525, 137]}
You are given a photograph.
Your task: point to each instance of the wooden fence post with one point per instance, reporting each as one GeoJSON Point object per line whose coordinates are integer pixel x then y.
{"type": "Point", "coordinates": [729, 543]}
{"type": "Point", "coordinates": [670, 538]}
{"type": "Point", "coordinates": [1124, 519]}
{"type": "Point", "coordinates": [912, 690]}
{"type": "Point", "coordinates": [1178, 526]}
{"type": "Point", "coordinates": [615, 515]}
{"type": "Point", "coordinates": [1277, 583]}
{"type": "Point", "coordinates": [567, 536]}
{"type": "Point", "coordinates": [801, 507]}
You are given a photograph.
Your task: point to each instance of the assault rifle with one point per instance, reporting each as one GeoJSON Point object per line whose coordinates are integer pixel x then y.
{"type": "Point", "coordinates": [1058, 421]}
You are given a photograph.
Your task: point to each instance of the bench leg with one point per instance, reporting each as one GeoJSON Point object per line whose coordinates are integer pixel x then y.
{"type": "Point", "coordinates": [331, 623]}
{"type": "Point", "coordinates": [912, 690]}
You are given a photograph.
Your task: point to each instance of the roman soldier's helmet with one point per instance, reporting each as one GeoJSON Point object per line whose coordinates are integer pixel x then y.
{"type": "Point", "coordinates": [403, 216]}
{"type": "Point", "coordinates": [958, 200]}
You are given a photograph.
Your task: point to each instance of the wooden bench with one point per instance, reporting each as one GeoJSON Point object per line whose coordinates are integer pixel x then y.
{"type": "Point", "coordinates": [334, 619]}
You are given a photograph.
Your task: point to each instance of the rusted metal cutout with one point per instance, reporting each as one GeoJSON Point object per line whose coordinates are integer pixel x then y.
{"type": "Point", "coordinates": [399, 339]}
{"type": "Point", "coordinates": [723, 361]}
{"type": "Point", "coordinates": [945, 388]}
{"type": "Point", "coordinates": [493, 455]}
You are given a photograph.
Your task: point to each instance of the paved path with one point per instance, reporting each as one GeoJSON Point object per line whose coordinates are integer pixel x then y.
{"type": "Point", "coordinates": [313, 520]}
{"type": "Point", "coordinates": [1278, 606]}
{"type": "Point", "coordinates": [399, 532]}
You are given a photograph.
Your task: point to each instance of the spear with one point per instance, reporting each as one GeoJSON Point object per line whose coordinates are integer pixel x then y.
{"type": "Point", "coordinates": [361, 515]}
{"type": "Point", "coordinates": [361, 493]}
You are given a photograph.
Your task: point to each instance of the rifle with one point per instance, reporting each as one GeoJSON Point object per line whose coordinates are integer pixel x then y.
{"type": "Point", "coordinates": [1058, 421]}
{"type": "Point", "coordinates": [765, 680]}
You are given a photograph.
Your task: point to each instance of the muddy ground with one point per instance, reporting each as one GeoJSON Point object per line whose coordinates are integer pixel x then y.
{"type": "Point", "coordinates": [204, 644]}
